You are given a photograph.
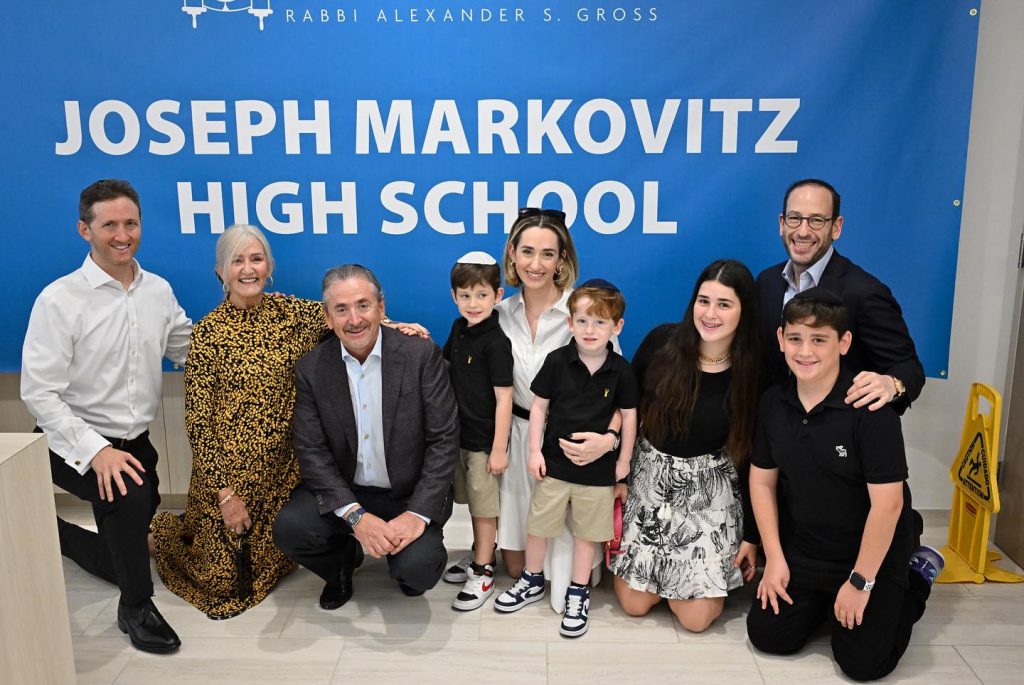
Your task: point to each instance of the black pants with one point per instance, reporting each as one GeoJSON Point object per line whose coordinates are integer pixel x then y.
{"type": "Point", "coordinates": [324, 542]}
{"type": "Point", "coordinates": [868, 651]}
{"type": "Point", "coordinates": [117, 552]}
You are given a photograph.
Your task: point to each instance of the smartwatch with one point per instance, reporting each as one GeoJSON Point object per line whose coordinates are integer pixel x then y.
{"type": "Point", "coordinates": [618, 438]}
{"type": "Point", "coordinates": [860, 582]}
{"type": "Point", "coordinates": [354, 515]}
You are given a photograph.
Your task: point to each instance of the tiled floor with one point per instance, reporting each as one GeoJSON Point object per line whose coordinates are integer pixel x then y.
{"type": "Point", "coordinates": [970, 634]}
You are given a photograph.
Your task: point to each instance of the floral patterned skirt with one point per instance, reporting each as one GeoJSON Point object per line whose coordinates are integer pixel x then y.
{"type": "Point", "coordinates": [682, 525]}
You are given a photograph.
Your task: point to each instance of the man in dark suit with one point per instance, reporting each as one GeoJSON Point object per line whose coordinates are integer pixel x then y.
{"type": "Point", "coordinates": [882, 356]}
{"type": "Point", "coordinates": [376, 435]}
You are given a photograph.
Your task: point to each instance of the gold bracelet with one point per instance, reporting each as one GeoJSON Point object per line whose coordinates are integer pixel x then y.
{"type": "Point", "coordinates": [227, 498]}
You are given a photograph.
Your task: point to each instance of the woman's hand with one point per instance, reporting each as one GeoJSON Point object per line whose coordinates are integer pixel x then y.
{"type": "Point", "coordinates": [409, 329]}
{"type": "Point", "coordinates": [746, 560]}
{"type": "Point", "coordinates": [587, 447]}
{"type": "Point", "coordinates": [235, 514]}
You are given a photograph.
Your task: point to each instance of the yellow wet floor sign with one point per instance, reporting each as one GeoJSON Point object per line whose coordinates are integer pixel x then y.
{"type": "Point", "coordinates": [975, 496]}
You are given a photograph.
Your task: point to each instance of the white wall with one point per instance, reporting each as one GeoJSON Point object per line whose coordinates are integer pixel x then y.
{"type": "Point", "coordinates": [984, 303]}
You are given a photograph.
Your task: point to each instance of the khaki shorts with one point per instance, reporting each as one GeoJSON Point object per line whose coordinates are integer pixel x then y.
{"type": "Point", "coordinates": [474, 486]}
{"type": "Point", "coordinates": [590, 509]}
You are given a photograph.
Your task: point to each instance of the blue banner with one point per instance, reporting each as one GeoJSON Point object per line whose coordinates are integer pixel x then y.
{"type": "Point", "coordinates": [402, 136]}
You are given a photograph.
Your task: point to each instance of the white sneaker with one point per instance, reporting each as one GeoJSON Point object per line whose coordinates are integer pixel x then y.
{"type": "Point", "coordinates": [478, 587]}
{"type": "Point", "coordinates": [456, 573]}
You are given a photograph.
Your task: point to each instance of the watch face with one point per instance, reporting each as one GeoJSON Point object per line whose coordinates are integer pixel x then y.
{"type": "Point", "coordinates": [857, 580]}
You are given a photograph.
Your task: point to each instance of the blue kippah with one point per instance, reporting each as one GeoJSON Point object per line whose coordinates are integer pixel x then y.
{"type": "Point", "coordinates": [599, 283]}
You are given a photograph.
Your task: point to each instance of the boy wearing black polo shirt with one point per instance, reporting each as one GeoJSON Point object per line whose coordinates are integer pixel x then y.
{"type": "Point", "coordinates": [829, 492]}
{"type": "Point", "coordinates": [480, 365]}
{"type": "Point", "coordinates": [578, 388]}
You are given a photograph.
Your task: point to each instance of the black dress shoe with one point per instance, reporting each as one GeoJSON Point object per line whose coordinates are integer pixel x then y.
{"type": "Point", "coordinates": [336, 594]}
{"type": "Point", "coordinates": [146, 628]}
{"type": "Point", "coordinates": [410, 591]}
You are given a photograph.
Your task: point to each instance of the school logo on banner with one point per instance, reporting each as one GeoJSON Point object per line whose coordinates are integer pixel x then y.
{"type": "Point", "coordinates": [258, 8]}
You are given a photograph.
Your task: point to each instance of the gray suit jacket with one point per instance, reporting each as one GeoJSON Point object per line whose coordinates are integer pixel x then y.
{"type": "Point", "coordinates": [421, 425]}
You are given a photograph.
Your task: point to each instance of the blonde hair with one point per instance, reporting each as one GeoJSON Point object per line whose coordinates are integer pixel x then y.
{"type": "Point", "coordinates": [565, 277]}
{"type": "Point", "coordinates": [234, 239]}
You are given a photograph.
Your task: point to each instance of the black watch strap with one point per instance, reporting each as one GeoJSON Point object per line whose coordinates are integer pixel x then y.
{"type": "Point", "coordinates": [354, 515]}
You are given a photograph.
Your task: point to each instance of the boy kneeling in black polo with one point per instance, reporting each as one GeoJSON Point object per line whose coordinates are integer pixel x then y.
{"type": "Point", "coordinates": [829, 492]}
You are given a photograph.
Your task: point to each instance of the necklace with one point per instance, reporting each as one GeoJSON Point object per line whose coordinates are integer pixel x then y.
{"type": "Point", "coordinates": [715, 361]}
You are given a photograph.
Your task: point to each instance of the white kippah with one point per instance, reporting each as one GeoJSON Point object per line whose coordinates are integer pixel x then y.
{"type": "Point", "coordinates": [477, 257]}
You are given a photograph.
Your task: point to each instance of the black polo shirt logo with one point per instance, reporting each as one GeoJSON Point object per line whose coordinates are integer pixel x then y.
{"type": "Point", "coordinates": [840, 450]}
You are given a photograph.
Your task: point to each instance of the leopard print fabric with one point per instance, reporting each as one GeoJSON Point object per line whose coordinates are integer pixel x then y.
{"type": "Point", "coordinates": [239, 397]}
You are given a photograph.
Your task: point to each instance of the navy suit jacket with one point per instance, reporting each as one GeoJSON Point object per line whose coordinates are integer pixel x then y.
{"type": "Point", "coordinates": [881, 339]}
{"type": "Point", "coordinates": [421, 426]}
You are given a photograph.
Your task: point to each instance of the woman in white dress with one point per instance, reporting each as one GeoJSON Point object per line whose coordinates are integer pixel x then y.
{"type": "Point", "coordinates": [540, 259]}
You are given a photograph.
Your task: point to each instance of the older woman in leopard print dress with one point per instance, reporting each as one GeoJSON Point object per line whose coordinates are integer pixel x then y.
{"type": "Point", "coordinates": [239, 394]}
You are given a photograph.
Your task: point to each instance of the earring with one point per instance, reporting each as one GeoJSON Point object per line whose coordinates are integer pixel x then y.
{"type": "Point", "coordinates": [224, 287]}
{"type": "Point", "coordinates": [270, 282]}
{"type": "Point", "coordinates": [558, 270]}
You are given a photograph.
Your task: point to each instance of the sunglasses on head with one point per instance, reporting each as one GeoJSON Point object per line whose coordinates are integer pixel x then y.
{"type": "Point", "coordinates": [537, 211]}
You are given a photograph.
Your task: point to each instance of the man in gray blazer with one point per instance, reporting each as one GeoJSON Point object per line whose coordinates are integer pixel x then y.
{"type": "Point", "coordinates": [377, 436]}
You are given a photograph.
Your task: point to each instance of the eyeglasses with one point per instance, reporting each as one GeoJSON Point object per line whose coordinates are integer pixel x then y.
{"type": "Point", "coordinates": [537, 211]}
{"type": "Point", "coordinates": [815, 221]}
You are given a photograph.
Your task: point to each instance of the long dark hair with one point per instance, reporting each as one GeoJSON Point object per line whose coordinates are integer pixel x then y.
{"type": "Point", "coordinates": [673, 377]}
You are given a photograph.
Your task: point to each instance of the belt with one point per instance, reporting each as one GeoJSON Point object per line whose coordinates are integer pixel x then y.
{"type": "Point", "coordinates": [522, 413]}
{"type": "Point", "coordinates": [125, 443]}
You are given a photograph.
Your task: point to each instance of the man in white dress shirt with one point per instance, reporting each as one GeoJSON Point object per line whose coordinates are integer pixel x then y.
{"type": "Point", "coordinates": [91, 376]}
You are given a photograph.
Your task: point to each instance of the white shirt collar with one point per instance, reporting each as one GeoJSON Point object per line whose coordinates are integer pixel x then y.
{"type": "Point", "coordinates": [95, 276]}
{"type": "Point", "coordinates": [562, 305]}
{"type": "Point", "coordinates": [375, 352]}
{"type": "Point", "coordinates": [814, 271]}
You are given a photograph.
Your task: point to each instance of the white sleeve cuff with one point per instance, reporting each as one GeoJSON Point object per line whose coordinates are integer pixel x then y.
{"type": "Point", "coordinates": [82, 454]}
{"type": "Point", "coordinates": [341, 511]}
{"type": "Point", "coordinates": [421, 516]}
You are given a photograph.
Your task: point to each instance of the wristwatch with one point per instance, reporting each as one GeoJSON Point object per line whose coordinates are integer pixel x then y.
{"type": "Point", "coordinates": [901, 389]}
{"type": "Point", "coordinates": [354, 515]}
{"type": "Point", "coordinates": [618, 438]}
{"type": "Point", "coordinates": [860, 582]}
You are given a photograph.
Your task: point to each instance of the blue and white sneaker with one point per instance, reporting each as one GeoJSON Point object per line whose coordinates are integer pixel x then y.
{"type": "Point", "coordinates": [577, 611]}
{"type": "Point", "coordinates": [927, 562]}
{"type": "Point", "coordinates": [527, 590]}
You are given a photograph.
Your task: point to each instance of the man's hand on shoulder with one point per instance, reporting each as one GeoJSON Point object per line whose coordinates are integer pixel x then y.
{"type": "Point", "coordinates": [109, 464]}
{"type": "Point", "coordinates": [871, 389]}
{"type": "Point", "coordinates": [406, 528]}
{"type": "Point", "coordinates": [375, 535]}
